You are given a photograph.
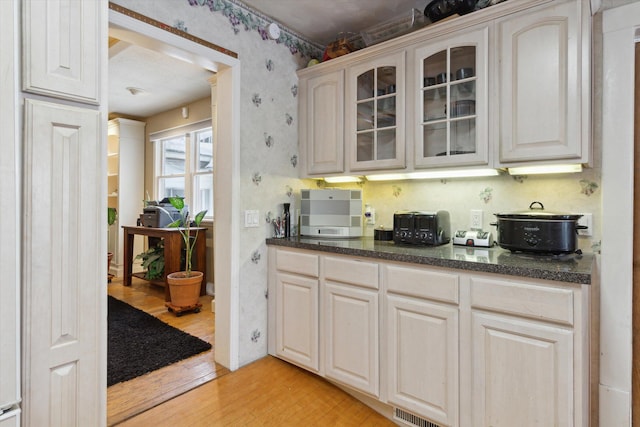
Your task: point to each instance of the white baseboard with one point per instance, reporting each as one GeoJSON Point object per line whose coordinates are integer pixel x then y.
{"type": "Point", "coordinates": [615, 407]}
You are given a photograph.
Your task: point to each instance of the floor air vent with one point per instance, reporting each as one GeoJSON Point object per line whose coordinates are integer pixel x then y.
{"type": "Point", "coordinates": [412, 419]}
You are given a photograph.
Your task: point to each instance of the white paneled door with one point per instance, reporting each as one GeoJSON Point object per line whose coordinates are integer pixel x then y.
{"type": "Point", "coordinates": [63, 244]}
{"type": "Point", "coordinates": [63, 286]}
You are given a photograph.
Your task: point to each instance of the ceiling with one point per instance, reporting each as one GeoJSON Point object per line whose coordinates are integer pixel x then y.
{"type": "Point", "coordinates": [144, 82]}
{"type": "Point", "coordinates": [322, 21]}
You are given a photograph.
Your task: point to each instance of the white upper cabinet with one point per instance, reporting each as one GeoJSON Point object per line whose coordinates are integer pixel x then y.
{"type": "Point", "coordinates": [375, 113]}
{"type": "Point", "coordinates": [451, 121]}
{"type": "Point", "coordinates": [61, 48]}
{"type": "Point", "coordinates": [322, 123]}
{"type": "Point", "coordinates": [505, 86]}
{"type": "Point", "coordinates": [543, 83]}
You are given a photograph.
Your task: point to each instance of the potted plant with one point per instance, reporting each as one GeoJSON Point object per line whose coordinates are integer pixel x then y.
{"type": "Point", "coordinates": [184, 286]}
{"type": "Point", "coordinates": [153, 261]}
{"type": "Point", "coordinates": [112, 215]}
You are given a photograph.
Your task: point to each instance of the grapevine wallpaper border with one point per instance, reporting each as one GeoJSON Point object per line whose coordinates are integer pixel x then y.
{"type": "Point", "coordinates": [242, 16]}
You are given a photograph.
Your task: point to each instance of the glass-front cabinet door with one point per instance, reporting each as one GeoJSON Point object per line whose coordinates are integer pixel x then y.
{"type": "Point", "coordinates": [375, 113]}
{"type": "Point", "coordinates": [452, 101]}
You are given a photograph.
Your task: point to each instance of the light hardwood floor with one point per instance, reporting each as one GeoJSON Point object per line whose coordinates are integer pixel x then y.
{"type": "Point", "coordinates": [129, 398]}
{"type": "Point", "coordinates": [268, 392]}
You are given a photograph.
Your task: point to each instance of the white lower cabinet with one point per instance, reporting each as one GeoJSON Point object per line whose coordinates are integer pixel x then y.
{"type": "Point", "coordinates": [522, 373]}
{"type": "Point", "coordinates": [529, 353]}
{"type": "Point", "coordinates": [350, 315]}
{"type": "Point", "coordinates": [295, 282]}
{"type": "Point", "coordinates": [422, 357]}
{"type": "Point", "coordinates": [297, 319]}
{"type": "Point", "coordinates": [443, 346]}
{"type": "Point", "coordinates": [352, 336]}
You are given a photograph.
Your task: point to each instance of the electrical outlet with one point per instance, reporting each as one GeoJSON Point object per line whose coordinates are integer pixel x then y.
{"type": "Point", "coordinates": [587, 221]}
{"type": "Point", "coordinates": [476, 219]}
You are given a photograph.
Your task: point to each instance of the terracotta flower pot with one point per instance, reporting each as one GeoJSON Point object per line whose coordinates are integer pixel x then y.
{"type": "Point", "coordinates": [184, 291]}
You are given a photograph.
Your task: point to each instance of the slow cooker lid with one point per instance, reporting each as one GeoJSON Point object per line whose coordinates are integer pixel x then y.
{"type": "Point", "coordinates": [538, 213]}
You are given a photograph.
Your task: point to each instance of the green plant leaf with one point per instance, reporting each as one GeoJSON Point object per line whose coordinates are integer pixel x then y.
{"type": "Point", "coordinates": [175, 224]}
{"type": "Point", "coordinates": [200, 217]}
{"type": "Point", "coordinates": [112, 214]}
{"type": "Point", "coordinates": [177, 202]}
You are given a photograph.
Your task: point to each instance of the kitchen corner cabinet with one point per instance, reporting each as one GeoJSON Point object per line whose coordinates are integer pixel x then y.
{"type": "Point", "coordinates": [452, 100]}
{"type": "Point", "coordinates": [544, 84]}
{"type": "Point", "coordinates": [322, 123]}
{"type": "Point", "coordinates": [375, 113]}
{"type": "Point", "coordinates": [125, 183]}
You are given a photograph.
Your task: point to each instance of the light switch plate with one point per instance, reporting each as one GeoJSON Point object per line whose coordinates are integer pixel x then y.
{"type": "Point", "coordinates": [251, 218]}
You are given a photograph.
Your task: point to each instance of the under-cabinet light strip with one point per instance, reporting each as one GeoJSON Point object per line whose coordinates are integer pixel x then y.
{"type": "Point", "coordinates": [464, 173]}
{"type": "Point", "coordinates": [340, 179]}
{"type": "Point", "coordinates": [535, 170]}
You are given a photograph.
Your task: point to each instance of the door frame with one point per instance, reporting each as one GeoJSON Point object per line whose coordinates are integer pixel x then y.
{"type": "Point", "coordinates": [226, 169]}
{"type": "Point", "coordinates": [620, 30]}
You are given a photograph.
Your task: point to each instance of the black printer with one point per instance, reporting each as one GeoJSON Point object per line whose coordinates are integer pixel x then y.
{"type": "Point", "coordinates": [160, 214]}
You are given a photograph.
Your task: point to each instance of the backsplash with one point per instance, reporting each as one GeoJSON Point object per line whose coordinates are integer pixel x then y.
{"type": "Point", "coordinates": [572, 193]}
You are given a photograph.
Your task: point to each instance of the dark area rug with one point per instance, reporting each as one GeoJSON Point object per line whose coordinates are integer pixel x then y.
{"type": "Point", "coordinates": [139, 343]}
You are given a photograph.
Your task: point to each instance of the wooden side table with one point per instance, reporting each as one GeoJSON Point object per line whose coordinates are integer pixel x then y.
{"type": "Point", "coordinates": [173, 247]}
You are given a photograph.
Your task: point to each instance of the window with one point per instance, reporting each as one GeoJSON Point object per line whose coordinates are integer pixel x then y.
{"type": "Point", "coordinates": [184, 165]}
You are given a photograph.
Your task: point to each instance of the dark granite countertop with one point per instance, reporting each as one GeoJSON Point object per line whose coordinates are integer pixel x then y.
{"type": "Point", "coordinates": [572, 268]}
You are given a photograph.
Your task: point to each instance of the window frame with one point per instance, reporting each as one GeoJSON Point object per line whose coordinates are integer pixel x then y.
{"type": "Point", "coordinates": [191, 170]}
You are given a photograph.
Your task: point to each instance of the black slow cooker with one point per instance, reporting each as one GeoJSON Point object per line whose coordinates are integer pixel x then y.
{"type": "Point", "coordinates": [538, 231]}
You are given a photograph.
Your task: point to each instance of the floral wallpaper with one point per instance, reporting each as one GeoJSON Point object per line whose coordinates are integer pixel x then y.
{"type": "Point", "coordinates": [268, 138]}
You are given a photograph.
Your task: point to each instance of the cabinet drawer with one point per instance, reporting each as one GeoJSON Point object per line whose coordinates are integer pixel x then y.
{"type": "Point", "coordinates": [528, 300]}
{"type": "Point", "coordinates": [353, 271]}
{"type": "Point", "coordinates": [422, 283]}
{"type": "Point", "coordinates": [297, 262]}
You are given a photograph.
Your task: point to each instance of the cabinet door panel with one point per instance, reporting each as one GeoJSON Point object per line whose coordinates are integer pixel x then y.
{"type": "Point", "coordinates": [62, 46]}
{"type": "Point", "coordinates": [351, 336]}
{"type": "Point", "coordinates": [523, 359]}
{"type": "Point", "coordinates": [297, 320]}
{"type": "Point", "coordinates": [540, 80]}
{"type": "Point", "coordinates": [423, 358]}
{"type": "Point", "coordinates": [451, 101]}
{"type": "Point", "coordinates": [375, 113]}
{"type": "Point", "coordinates": [324, 117]}
{"type": "Point", "coordinates": [11, 419]}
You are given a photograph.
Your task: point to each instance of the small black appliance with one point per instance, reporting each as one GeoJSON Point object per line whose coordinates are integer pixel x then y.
{"type": "Point", "coordinates": [422, 228]}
